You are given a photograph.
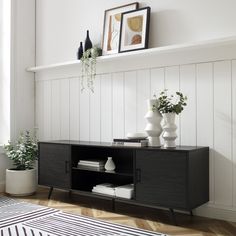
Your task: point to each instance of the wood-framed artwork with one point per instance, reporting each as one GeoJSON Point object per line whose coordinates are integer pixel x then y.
{"type": "Point", "coordinates": [134, 30]}
{"type": "Point", "coordinates": [111, 27]}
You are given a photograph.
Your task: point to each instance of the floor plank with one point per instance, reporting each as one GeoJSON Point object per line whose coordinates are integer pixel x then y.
{"type": "Point", "coordinates": [194, 226]}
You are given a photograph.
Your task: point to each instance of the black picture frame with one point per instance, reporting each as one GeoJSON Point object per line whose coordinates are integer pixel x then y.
{"type": "Point", "coordinates": [133, 43]}
{"type": "Point", "coordinates": [106, 50]}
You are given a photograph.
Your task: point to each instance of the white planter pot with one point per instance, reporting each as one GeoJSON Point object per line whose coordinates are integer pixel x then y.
{"type": "Point", "coordinates": [153, 127]}
{"type": "Point", "coordinates": [20, 182]}
{"type": "Point", "coordinates": [169, 130]}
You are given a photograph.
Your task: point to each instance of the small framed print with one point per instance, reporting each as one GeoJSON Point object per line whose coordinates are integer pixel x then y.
{"type": "Point", "coordinates": [111, 27]}
{"type": "Point", "coordinates": [134, 30]}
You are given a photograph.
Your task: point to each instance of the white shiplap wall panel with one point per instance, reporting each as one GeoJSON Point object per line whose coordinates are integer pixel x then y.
{"type": "Point", "coordinates": [65, 109]}
{"type": "Point", "coordinates": [106, 108]}
{"type": "Point", "coordinates": [118, 105]}
{"type": "Point", "coordinates": [172, 83]}
{"type": "Point", "coordinates": [234, 128]}
{"type": "Point", "coordinates": [157, 81]}
{"type": "Point", "coordinates": [74, 108]}
{"type": "Point", "coordinates": [222, 133]}
{"type": "Point", "coordinates": [143, 93]}
{"type": "Point", "coordinates": [40, 109]}
{"type": "Point", "coordinates": [188, 116]}
{"type": "Point", "coordinates": [130, 102]}
{"type": "Point", "coordinates": [56, 110]}
{"type": "Point", "coordinates": [95, 111]}
{"type": "Point", "coordinates": [84, 122]}
{"type": "Point", "coordinates": [47, 109]}
{"type": "Point", "coordinates": [205, 114]}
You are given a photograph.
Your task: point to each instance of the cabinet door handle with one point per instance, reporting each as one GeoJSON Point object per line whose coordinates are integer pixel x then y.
{"type": "Point", "coordinates": [138, 175]}
{"type": "Point", "coordinates": [66, 167]}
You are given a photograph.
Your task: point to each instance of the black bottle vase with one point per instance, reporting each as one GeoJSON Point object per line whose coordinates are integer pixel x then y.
{"type": "Point", "coordinates": [88, 44]}
{"type": "Point", "coordinates": [80, 51]}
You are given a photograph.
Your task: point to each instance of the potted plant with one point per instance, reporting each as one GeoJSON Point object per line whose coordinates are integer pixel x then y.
{"type": "Point", "coordinates": [170, 106]}
{"type": "Point", "coordinates": [21, 180]}
{"type": "Point", "coordinates": [89, 61]}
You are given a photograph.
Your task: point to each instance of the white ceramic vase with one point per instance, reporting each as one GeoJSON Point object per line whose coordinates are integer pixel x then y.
{"type": "Point", "coordinates": [110, 165]}
{"type": "Point", "coordinates": [153, 127]}
{"type": "Point", "coordinates": [169, 130]}
{"type": "Point", "coordinates": [21, 182]}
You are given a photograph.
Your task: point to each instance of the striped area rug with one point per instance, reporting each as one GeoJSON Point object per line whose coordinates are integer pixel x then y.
{"type": "Point", "coordinates": [25, 219]}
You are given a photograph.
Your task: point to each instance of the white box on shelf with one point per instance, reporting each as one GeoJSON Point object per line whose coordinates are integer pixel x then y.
{"type": "Point", "coordinates": [125, 191]}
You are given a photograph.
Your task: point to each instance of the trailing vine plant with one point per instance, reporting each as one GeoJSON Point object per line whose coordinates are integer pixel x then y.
{"type": "Point", "coordinates": [89, 62]}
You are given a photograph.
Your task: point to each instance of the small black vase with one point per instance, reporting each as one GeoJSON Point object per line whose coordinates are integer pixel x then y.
{"type": "Point", "coordinates": [80, 51]}
{"type": "Point", "coordinates": [88, 43]}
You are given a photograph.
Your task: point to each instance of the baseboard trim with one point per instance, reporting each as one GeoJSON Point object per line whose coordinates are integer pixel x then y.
{"type": "Point", "coordinates": [2, 187]}
{"type": "Point", "coordinates": [216, 213]}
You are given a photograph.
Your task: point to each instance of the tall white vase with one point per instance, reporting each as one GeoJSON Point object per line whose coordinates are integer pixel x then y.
{"type": "Point", "coordinates": [153, 127]}
{"type": "Point", "coordinates": [169, 130]}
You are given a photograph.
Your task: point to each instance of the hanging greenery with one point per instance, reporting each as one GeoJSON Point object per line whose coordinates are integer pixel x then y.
{"type": "Point", "coordinates": [89, 62]}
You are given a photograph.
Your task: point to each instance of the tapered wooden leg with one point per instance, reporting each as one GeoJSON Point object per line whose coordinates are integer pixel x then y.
{"type": "Point", "coordinates": [191, 213]}
{"type": "Point", "coordinates": [50, 192]}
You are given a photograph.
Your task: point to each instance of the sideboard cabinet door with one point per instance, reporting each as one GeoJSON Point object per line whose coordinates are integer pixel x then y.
{"type": "Point", "coordinates": [161, 178]}
{"type": "Point", "coordinates": [54, 165]}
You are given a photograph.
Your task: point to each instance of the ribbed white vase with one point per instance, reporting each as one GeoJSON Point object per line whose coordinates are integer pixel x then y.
{"type": "Point", "coordinates": [169, 130]}
{"type": "Point", "coordinates": [153, 127]}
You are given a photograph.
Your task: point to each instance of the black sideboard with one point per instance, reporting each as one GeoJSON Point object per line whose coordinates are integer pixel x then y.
{"type": "Point", "coordinates": [175, 178]}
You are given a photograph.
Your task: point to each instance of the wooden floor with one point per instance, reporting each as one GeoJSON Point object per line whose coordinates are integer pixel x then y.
{"type": "Point", "coordinates": [162, 222]}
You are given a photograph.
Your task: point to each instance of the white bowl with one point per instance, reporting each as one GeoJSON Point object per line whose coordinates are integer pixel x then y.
{"type": "Point", "coordinates": [136, 135]}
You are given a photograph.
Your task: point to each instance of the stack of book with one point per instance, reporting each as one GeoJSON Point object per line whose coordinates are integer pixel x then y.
{"type": "Point", "coordinates": [143, 142]}
{"type": "Point", "coordinates": [94, 164]}
{"type": "Point", "coordinates": [105, 188]}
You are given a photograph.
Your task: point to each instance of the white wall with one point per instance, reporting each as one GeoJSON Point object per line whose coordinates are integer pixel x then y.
{"type": "Point", "coordinates": [206, 75]}
{"type": "Point", "coordinates": [118, 104]}
{"type": "Point", "coordinates": [61, 25]}
{"type": "Point", "coordinates": [22, 82]}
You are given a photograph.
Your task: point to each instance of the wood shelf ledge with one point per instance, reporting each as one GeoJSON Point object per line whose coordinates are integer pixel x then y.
{"type": "Point", "coordinates": [148, 53]}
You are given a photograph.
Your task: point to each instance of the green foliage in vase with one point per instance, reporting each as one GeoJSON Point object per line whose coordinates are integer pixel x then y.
{"type": "Point", "coordinates": [89, 62]}
{"type": "Point", "coordinates": [171, 104]}
{"type": "Point", "coordinates": [23, 152]}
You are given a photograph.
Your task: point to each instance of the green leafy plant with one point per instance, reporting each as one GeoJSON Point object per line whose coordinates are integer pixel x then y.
{"type": "Point", "coordinates": [24, 152]}
{"type": "Point", "coordinates": [89, 62]}
{"type": "Point", "coordinates": [169, 104]}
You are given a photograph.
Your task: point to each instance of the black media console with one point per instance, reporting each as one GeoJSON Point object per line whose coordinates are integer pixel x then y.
{"type": "Point", "coordinates": [175, 178]}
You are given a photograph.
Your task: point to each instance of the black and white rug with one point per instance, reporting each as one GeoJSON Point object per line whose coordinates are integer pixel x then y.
{"type": "Point", "coordinates": [24, 219]}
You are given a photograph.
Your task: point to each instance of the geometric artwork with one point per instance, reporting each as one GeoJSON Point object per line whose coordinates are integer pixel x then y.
{"type": "Point", "coordinates": [111, 27]}
{"type": "Point", "coordinates": [134, 30]}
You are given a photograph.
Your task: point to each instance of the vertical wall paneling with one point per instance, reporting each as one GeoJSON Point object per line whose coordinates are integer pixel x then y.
{"type": "Point", "coordinates": [118, 105]}
{"type": "Point", "coordinates": [188, 116]}
{"type": "Point", "coordinates": [143, 93]}
{"type": "Point", "coordinates": [56, 103]}
{"type": "Point", "coordinates": [172, 84]}
{"type": "Point", "coordinates": [205, 117]}
{"type": "Point", "coordinates": [222, 133]}
{"type": "Point", "coordinates": [84, 121]}
{"type": "Point", "coordinates": [130, 102]}
{"type": "Point", "coordinates": [39, 109]}
{"type": "Point", "coordinates": [47, 107]}
{"type": "Point", "coordinates": [64, 109]}
{"type": "Point", "coordinates": [234, 128]}
{"type": "Point", "coordinates": [106, 108]}
{"type": "Point", "coordinates": [157, 83]}
{"type": "Point", "coordinates": [95, 111]}
{"type": "Point", "coordinates": [74, 108]}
